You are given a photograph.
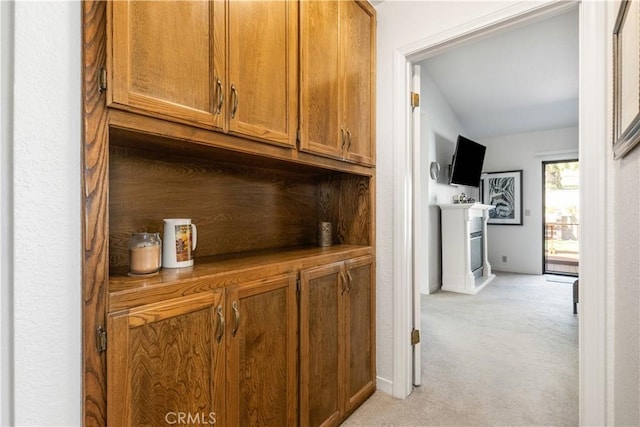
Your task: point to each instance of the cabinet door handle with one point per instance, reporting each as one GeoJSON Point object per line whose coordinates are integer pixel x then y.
{"type": "Point", "coordinates": [344, 282]}
{"type": "Point", "coordinates": [344, 140]}
{"type": "Point", "coordinates": [234, 97]}
{"type": "Point", "coordinates": [220, 332]}
{"type": "Point", "coordinates": [348, 139]}
{"type": "Point", "coordinates": [220, 93]}
{"type": "Point", "coordinates": [236, 315]}
{"type": "Point", "coordinates": [350, 281]}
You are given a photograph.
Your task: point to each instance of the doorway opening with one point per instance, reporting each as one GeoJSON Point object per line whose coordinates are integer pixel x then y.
{"type": "Point", "coordinates": [561, 217]}
{"type": "Point", "coordinates": [593, 157]}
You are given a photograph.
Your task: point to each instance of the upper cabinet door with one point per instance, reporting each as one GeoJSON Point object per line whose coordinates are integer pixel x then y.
{"type": "Point", "coordinates": [320, 108]}
{"type": "Point", "coordinates": [263, 74]}
{"type": "Point", "coordinates": [166, 58]}
{"type": "Point", "coordinates": [358, 24]}
{"type": "Point", "coordinates": [337, 75]}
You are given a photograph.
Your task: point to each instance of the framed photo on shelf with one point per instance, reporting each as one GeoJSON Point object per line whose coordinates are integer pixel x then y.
{"type": "Point", "coordinates": [626, 81]}
{"type": "Point", "coordinates": [504, 191]}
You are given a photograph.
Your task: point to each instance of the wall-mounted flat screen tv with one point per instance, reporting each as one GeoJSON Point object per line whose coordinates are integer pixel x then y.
{"type": "Point", "coordinates": [466, 166]}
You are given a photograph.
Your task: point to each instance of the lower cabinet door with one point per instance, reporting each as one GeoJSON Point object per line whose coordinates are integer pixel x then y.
{"type": "Point", "coordinates": [360, 331]}
{"type": "Point", "coordinates": [165, 363]}
{"type": "Point", "coordinates": [261, 367]}
{"type": "Point", "coordinates": [321, 349]}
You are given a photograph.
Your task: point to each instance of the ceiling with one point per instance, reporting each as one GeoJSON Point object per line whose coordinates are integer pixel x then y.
{"type": "Point", "coordinates": [519, 81]}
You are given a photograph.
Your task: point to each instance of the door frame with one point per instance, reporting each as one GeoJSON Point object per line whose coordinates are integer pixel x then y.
{"type": "Point", "coordinates": [593, 39]}
{"type": "Point", "coordinates": [544, 209]}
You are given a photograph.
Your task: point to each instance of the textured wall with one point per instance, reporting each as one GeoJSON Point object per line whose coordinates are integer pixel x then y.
{"type": "Point", "coordinates": [626, 261]}
{"type": "Point", "coordinates": [46, 161]}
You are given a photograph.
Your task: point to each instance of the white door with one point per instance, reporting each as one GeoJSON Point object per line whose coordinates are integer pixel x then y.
{"type": "Point", "coordinates": [419, 272]}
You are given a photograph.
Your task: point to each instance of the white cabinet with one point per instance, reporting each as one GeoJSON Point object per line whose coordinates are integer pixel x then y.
{"type": "Point", "coordinates": [465, 262]}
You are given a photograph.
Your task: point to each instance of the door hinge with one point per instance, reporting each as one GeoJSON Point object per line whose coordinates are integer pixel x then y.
{"type": "Point", "coordinates": [102, 81]}
{"type": "Point", "coordinates": [415, 99]}
{"type": "Point", "coordinates": [415, 336]}
{"type": "Point", "coordinates": [101, 339]}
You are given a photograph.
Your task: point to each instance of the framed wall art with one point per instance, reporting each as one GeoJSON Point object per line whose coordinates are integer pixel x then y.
{"type": "Point", "coordinates": [626, 78]}
{"type": "Point", "coordinates": [504, 191]}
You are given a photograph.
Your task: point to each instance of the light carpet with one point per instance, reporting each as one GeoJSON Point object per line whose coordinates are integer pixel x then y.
{"type": "Point", "coordinates": [507, 356]}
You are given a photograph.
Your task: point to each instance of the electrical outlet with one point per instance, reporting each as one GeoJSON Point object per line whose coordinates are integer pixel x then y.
{"type": "Point", "coordinates": [504, 258]}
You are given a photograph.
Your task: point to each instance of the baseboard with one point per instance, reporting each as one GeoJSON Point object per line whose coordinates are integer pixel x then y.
{"type": "Point", "coordinates": [384, 385]}
{"type": "Point", "coordinates": [435, 287]}
{"type": "Point", "coordinates": [499, 267]}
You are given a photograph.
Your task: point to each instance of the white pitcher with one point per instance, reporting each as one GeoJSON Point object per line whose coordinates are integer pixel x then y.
{"type": "Point", "coordinates": [180, 238]}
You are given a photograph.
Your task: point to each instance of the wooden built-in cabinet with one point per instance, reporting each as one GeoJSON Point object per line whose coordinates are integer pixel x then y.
{"type": "Point", "coordinates": [337, 78]}
{"type": "Point", "coordinates": [231, 66]}
{"type": "Point", "coordinates": [267, 327]}
{"type": "Point", "coordinates": [337, 333]}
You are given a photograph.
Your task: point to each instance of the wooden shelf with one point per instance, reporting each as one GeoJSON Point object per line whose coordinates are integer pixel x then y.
{"type": "Point", "coordinates": [221, 271]}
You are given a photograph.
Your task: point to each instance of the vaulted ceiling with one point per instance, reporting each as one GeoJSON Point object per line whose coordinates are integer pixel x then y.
{"type": "Point", "coordinates": [518, 81]}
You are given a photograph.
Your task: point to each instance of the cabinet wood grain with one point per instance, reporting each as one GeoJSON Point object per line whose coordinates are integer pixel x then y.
{"type": "Point", "coordinates": [337, 94]}
{"type": "Point", "coordinates": [166, 58]}
{"type": "Point", "coordinates": [360, 331]}
{"type": "Point", "coordinates": [261, 353]}
{"type": "Point", "coordinates": [337, 337]}
{"type": "Point", "coordinates": [165, 359]}
{"type": "Point", "coordinates": [95, 192]}
{"type": "Point", "coordinates": [321, 336]}
{"type": "Point", "coordinates": [262, 85]}
{"type": "Point", "coordinates": [237, 208]}
{"type": "Point", "coordinates": [320, 93]}
{"type": "Point", "coordinates": [358, 80]}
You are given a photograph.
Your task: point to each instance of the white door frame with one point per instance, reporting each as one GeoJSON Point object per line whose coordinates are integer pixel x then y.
{"type": "Point", "coordinates": [417, 227]}
{"type": "Point", "coordinates": [593, 154]}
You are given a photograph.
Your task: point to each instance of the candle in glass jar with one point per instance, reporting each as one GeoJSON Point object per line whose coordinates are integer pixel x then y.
{"type": "Point", "coordinates": [145, 253]}
{"type": "Point", "coordinates": [144, 260]}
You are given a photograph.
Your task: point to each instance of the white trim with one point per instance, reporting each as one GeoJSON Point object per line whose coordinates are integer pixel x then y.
{"type": "Point", "coordinates": [593, 159]}
{"type": "Point", "coordinates": [384, 385]}
{"type": "Point", "coordinates": [499, 21]}
{"type": "Point", "coordinates": [593, 154]}
{"type": "Point", "coordinates": [420, 269]}
{"type": "Point", "coordinates": [558, 153]}
{"type": "Point", "coordinates": [402, 241]}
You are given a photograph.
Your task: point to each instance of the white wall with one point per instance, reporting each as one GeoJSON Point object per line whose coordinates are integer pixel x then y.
{"type": "Point", "coordinates": [440, 128]}
{"type": "Point", "coordinates": [523, 244]}
{"type": "Point", "coordinates": [624, 290]}
{"type": "Point", "coordinates": [626, 220]}
{"type": "Point", "coordinates": [43, 136]}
